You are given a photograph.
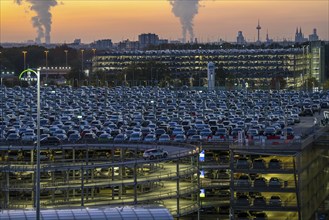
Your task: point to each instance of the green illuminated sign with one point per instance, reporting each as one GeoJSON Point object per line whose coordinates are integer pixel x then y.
{"type": "Point", "coordinates": [28, 76]}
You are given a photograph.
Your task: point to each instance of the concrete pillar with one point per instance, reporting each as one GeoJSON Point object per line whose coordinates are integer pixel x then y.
{"type": "Point", "coordinates": [177, 188]}
{"type": "Point", "coordinates": [198, 181]}
{"type": "Point", "coordinates": [92, 180]}
{"type": "Point", "coordinates": [33, 179]}
{"type": "Point", "coordinates": [87, 173]}
{"type": "Point", "coordinates": [53, 183]}
{"type": "Point", "coordinates": [67, 192]}
{"type": "Point", "coordinates": [82, 186]}
{"type": "Point", "coordinates": [135, 184]}
{"type": "Point", "coordinates": [232, 184]}
{"type": "Point", "coordinates": [7, 191]}
{"type": "Point", "coordinates": [74, 171]}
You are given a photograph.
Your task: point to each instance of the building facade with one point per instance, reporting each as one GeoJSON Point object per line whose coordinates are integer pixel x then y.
{"type": "Point", "coordinates": [294, 64]}
{"type": "Point", "coordinates": [104, 44]}
{"type": "Point", "coordinates": [240, 38]}
{"type": "Point", "coordinates": [148, 39]}
{"type": "Point", "coordinates": [314, 36]}
{"type": "Point", "coordinates": [299, 36]}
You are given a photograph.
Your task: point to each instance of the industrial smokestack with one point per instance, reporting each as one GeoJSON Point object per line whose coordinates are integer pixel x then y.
{"type": "Point", "coordinates": [185, 10]}
{"type": "Point", "coordinates": [42, 21]}
{"type": "Point", "coordinates": [47, 39]}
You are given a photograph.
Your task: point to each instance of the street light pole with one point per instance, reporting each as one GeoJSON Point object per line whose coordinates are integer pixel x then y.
{"type": "Point", "coordinates": [38, 147]}
{"type": "Point", "coordinates": [94, 54]}
{"type": "Point", "coordinates": [92, 61]}
{"type": "Point", "coordinates": [46, 52]}
{"type": "Point", "coordinates": [66, 51]}
{"type": "Point", "coordinates": [2, 108]}
{"type": "Point", "coordinates": [2, 95]}
{"type": "Point", "coordinates": [37, 170]}
{"type": "Point", "coordinates": [81, 64]}
{"type": "Point", "coordinates": [24, 55]}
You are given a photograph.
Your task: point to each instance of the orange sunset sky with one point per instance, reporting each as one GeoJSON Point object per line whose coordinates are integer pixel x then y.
{"type": "Point", "coordinates": [122, 19]}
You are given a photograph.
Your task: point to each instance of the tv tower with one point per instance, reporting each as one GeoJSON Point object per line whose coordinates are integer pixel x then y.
{"type": "Point", "coordinates": [258, 30]}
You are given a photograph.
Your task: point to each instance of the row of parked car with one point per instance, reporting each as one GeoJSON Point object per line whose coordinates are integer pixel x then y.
{"type": "Point", "coordinates": [259, 182]}
{"type": "Point", "coordinates": [151, 114]}
{"type": "Point", "coordinates": [259, 163]}
{"type": "Point", "coordinates": [246, 200]}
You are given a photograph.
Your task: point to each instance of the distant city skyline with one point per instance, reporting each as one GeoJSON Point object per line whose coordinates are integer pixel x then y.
{"type": "Point", "coordinates": [211, 20]}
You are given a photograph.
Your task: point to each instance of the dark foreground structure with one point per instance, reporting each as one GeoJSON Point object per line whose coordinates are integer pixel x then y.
{"type": "Point", "coordinates": [92, 213]}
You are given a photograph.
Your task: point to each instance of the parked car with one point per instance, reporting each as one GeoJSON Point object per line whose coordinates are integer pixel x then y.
{"type": "Point", "coordinates": [89, 137]}
{"type": "Point", "coordinates": [243, 181]}
{"type": "Point", "coordinates": [275, 164]}
{"type": "Point", "coordinates": [51, 140]}
{"type": "Point", "coordinates": [120, 137]}
{"type": "Point", "coordinates": [307, 111]}
{"type": "Point", "coordinates": [195, 139]}
{"type": "Point", "coordinates": [275, 182]}
{"type": "Point", "coordinates": [259, 164]}
{"type": "Point", "coordinates": [136, 137]}
{"type": "Point", "coordinates": [29, 137]}
{"type": "Point", "coordinates": [13, 137]}
{"type": "Point", "coordinates": [251, 133]}
{"type": "Point", "coordinates": [243, 200]}
{"type": "Point", "coordinates": [62, 137]}
{"type": "Point", "coordinates": [150, 138]}
{"type": "Point", "coordinates": [259, 201]}
{"type": "Point", "coordinates": [260, 182]}
{"type": "Point", "coordinates": [244, 216]}
{"type": "Point", "coordinates": [164, 138]}
{"type": "Point", "coordinates": [105, 137]}
{"type": "Point", "coordinates": [260, 216]}
{"type": "Point", "coordinates": [74, 137]}
{"type": "Point", "coordinates": [243, 163]}
{"type": "Point", "coordinates": [180, 138]}
{"type": "Point", "coordinates": [275, 201]}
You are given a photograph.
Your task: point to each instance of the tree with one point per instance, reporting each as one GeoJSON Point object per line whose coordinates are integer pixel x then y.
{"type": "Point", "coordinates": [151, 72]}
{"type": "Point", "coordinates": [221, 76]}
{"type": "Point", "coordinates": [326, 85]}
{"type": "Point", "coordinates": [278, 82]}
{"type": "Point", "coordinates": [310, 83]}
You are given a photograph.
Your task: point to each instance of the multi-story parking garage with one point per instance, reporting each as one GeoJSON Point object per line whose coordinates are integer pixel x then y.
{"type": "Point", "coordinates": [98, 175]}
{"type": "Point", "coordinates": [279, 179]}
{"type": "Point", "coordinates": [295, 64]}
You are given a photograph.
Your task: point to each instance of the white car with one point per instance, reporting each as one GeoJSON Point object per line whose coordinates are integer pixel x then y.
{"type": "Point", "coordinates": [154, 153]}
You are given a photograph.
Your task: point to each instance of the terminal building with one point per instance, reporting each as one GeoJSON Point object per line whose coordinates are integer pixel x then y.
{"type": "Point", "coordinates": [294, 64]}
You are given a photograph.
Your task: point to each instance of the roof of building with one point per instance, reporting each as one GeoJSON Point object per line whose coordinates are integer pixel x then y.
{"type": "Point", "coordinates": [207, 52]}
{"type": "Point", "coordinates": [115, 213]}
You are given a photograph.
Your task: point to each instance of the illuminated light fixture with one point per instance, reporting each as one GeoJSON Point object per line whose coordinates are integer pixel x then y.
{"type": "Point", "coordinates": [201, 156]}
{"type": "Point", "coordinates": [201, 173]}
{"type": "Point", "coordinates": [202, 193]}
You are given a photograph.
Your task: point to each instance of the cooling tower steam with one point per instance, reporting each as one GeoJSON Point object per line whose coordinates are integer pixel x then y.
{"type": "Point", "coordinates": [185, 10]}
{"type": "Point", "coordinates": [42, 21]}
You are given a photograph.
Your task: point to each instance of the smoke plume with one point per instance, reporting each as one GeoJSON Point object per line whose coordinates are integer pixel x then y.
{"type": "Point", "coordinates": [42, 21]}
{"type": "Point", "coordinates": [185, 10]}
